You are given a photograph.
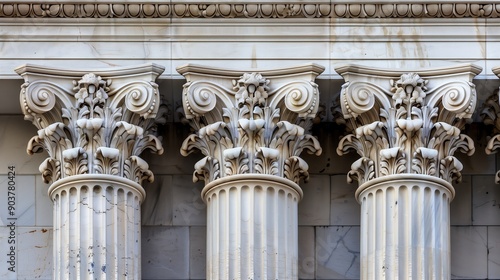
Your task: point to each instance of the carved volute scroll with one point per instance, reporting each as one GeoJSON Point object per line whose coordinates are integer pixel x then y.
{"type": "Point", "coordinates": [491, 116]}
{"type": "Point", "coordinates": [250, 122]}
{"type": "Point", "coordinates": [95, 122]}
{"type": "Point", "coordinates": [407, 122]}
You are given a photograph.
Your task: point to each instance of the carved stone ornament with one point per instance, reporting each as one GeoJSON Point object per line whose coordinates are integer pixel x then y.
{"type": "Point", "coordinates": [407, 122]}
{"type": "Point", "coordinates": [249, 9]}
{"type": "Point", "coordinates": [250, 122]}
{"type": "Point", "coordinates": [491, 116]}
{"type": "Point", "coordinates": [95, 122]}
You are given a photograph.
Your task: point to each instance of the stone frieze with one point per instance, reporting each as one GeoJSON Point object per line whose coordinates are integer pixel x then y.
{"type": "Point", "coordinates": [249, 9]}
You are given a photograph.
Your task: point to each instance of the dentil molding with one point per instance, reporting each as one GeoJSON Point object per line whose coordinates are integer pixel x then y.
{"type": "Point", "coordinates": [407, 122]}
{"type": "Point", "coordinates": [249, 9]}
{"type": "Point", "coordinates": [250, 122]}
{"type": "Point", "coordinates": [92, 122]}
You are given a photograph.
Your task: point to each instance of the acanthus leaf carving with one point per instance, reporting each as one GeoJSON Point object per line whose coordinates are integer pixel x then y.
{"type": "Point", "coordinates": [362, 170]}
{"type": "Point", "coordinates": [91, 124]}
{"type": "Point", "coordinates": [425, 161]}
{"type": "Point", "coordinates": [246, 123]}
{"type": "Point", "coordinates": [408, 123]}
{"type": "Point", "coordinates": [75, 160]}
{"type": "Point", "coordinates": [392, 161]}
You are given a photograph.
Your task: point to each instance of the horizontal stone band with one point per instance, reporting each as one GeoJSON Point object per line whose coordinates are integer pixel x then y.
{"type": "Point", "coordinates": [248, 9]}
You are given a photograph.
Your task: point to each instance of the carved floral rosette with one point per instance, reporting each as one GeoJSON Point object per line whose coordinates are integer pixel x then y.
{"type": "Point", "coordinates": [95, 122]}
{"type": "Point", "coordinates": [407, 122]}
{"type": "Point", "coordinates": [490, 112]}
{"type": "Point", "coordinates": [250, 122]}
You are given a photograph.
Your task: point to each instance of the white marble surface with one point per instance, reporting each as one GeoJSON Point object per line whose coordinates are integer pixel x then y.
{"type": "Point", "coordinates": [165, 252]}
{"type": "Point", "coordinates": [402, 44]}
{"type": "Point", "coordinates": [35, 253]}
{"type": "Point", "coordinates": [44, 206]}
{"type": "Point", "coordinates": [15, 133]}
{"type": "Point", "coordinates": [251, 43]}
{"type": "Point", "coordinates": [337, 252]}
{"type": "Point", "coordinates": [469, 253]}
{"type": "Point", "coordinates": [5, 273]}
{"type": "Point", "coordinates": [314, 208]}
{"type": "Point", "coordinates": [24, 201]}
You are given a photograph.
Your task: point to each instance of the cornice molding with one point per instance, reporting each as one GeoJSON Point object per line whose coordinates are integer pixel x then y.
{"type": "Point", "coordinates": [249, 9]}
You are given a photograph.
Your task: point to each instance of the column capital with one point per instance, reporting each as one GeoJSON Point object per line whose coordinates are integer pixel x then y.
{"type": "Point", "coordinates": [491, 116]}
{"type": "Point", "coordinates": [92, 122]}
{"type": "Point", "coordinates": [250, 122]}
{"type": "Point", "coordinates": [405, 122]}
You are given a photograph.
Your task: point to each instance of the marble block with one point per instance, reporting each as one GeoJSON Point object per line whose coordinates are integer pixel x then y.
{"type": "Point", "coordinates": [469, 252]}
{"type": "Point", "coordinates": [157, 207]}
{"type": "Point", "coordinates": [314, 208]}
{"type": "Point", "coordinates": [329, 162]}
{"type": "Point", "coordinates": [165, 252]}
{"type": "Point", "coordinates": [461, 205]}
{"type": "Point", "coordinates": [494, 252]}
{"type": "Point", "coordinates": [197, 252]}
{"type": "Point", "coordinates": [15, 133]}
{"type": "Point", "coordinates": [44, 206]}
{"type": "Point", "coordinates": [188, 207]}
{"type": "Point", "coordinates": [485, 200]}
{"type": "Point", "coordinates": [307, 258]}
{"type": "Point", "coordinates": [34, 252]}
{"type": "Point", "coordinates": [24, 200]}
{"type": "Point", "coordinates": [172, 162]}
{"type": "Point", "coordinates": [5, 247]}
{"type": "Point", "coordinates": [345, 210]}
{"type": "Point", "coordinates": [337, 253]}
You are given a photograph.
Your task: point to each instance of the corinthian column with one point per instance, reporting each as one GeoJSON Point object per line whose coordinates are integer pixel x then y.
{"type": "Point", "coordinates": [406, 128]}
{"type": "Point", "coordinates": [94, 125]}
{"type": "Point", "coordinates": [251, 128]}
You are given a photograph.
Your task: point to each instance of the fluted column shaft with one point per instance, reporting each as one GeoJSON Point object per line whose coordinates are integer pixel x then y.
{"type": "Point", "coordinates": [251, 131]}
{"type": "Point", "coordinates": [406, 224]}
{"type": "Point", "coordinates": [97, 224]}
{"type": "Point", "coordinates": [252, 228]}
{"type": "Point", "coordinates": [94, 126]}
{"type": "Point", "coordinates": [406, 128]}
